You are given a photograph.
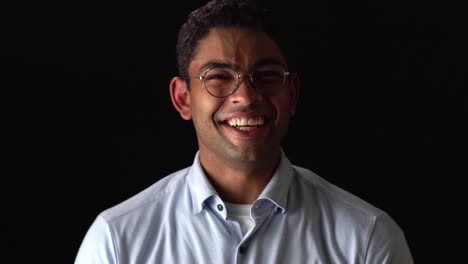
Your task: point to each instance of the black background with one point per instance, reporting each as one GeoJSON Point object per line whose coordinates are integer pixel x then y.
{"type": "Point", "coordinates": [87, 119]}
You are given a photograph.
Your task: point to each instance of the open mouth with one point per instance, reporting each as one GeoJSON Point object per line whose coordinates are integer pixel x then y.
{"type": "Point", "coordinates": [246, 124]}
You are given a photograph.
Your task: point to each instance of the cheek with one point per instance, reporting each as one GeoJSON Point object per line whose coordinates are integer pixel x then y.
{"type": "Point", "coordinates": [204, 107]}
{"type": "Point", "coordinates": [284, 113]}
{"type": "Point", "coordinates": [282, 104]}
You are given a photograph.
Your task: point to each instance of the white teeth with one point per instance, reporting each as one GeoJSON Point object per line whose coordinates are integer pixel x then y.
{"type": "Point", "coordinates": [245, 128]}
{"type": "Point", "coordinates": [236, 122]}
{"type": "Point", "coordinates": [252, 122]}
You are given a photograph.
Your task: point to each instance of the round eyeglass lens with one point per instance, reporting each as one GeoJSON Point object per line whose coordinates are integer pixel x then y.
{"type": "Point", "coordinates": [220, 81]}
{"type": "Point", "coordinates": [268, 79]}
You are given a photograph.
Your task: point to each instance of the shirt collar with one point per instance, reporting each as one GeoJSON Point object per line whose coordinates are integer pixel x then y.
{"type": "Point", "coordinates": [276, 190]}
{"type": "Point", "coordinates": [199, 185]}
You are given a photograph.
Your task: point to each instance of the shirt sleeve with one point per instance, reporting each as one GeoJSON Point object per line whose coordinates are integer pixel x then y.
{"type": "Point", "coordinates": [97, 246]}
{"type": "Point", "coordinates": [387, 243]}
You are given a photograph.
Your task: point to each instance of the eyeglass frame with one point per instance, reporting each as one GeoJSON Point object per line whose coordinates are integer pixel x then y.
{"type": "Point", "coordinates": [238, 82]}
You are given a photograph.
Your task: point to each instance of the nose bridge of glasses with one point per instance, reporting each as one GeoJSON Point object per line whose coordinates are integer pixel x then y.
{"type": "Point", "coordinates": [250, 90]}
{"type": "Point", "coordinates": [240, 78]}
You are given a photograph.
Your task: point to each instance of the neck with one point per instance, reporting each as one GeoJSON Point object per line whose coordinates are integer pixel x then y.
{"type": "Point", "coordinates": [239, 182]}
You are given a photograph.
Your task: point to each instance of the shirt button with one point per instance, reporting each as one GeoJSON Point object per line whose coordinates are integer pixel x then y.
{"type": "Point", "coordinates": [242, 250]}
{"type": "Point", "coordinates": [220, 207]}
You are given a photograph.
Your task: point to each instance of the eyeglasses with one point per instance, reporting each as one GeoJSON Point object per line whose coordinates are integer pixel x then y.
{"type": "Point", "coordinates": [222, 81]}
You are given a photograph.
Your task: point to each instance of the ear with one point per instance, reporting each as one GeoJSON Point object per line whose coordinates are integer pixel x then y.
{"type": "Point", "coordinates": [294, 90]}
{"type": "Point", "coordinates": [180, 97]}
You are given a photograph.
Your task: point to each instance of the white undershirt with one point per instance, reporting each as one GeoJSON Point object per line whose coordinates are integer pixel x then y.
{"type": "Point", "coordinates": [241, 214]}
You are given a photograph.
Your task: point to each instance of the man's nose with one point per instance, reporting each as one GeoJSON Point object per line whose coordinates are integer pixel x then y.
{"type": "Point", "coordinates": [245, 92]}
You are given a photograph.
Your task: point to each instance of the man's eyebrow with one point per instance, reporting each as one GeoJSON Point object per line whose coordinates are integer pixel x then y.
{"type": "Point", "coordinates": [212, 64]}
{"type": "Point", "coordinates": [268, 61]}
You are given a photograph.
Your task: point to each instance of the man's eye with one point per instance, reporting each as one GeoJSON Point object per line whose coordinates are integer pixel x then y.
{"type": "Point", "coordinates": [218, 77]}
{"type": "Point", "coordinates": [265, 75]}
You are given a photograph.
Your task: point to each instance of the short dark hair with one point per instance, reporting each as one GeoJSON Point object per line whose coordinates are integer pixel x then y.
{"type": "Point", "coordinates": [243, 13]}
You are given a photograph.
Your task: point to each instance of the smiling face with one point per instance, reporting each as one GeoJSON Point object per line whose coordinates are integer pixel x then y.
{"type": "Point", "coordinates": [245, 127]}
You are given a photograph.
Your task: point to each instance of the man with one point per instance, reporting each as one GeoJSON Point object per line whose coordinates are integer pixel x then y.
{"type": "Point", "coordinates": [241, 201]}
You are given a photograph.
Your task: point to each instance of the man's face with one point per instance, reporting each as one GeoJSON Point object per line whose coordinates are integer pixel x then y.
{"type": "Point", "coordinates": [246, 126]}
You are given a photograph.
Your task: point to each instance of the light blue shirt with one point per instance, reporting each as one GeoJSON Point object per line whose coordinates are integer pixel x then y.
{"type": "Point", "coordinates": [299, 218]}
